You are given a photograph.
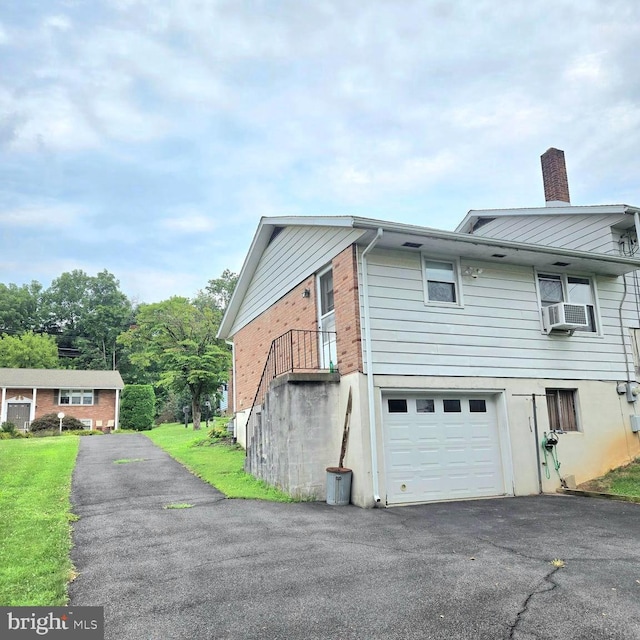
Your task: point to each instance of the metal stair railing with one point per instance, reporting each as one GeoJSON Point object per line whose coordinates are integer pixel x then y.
{"type": "Point", "coordinates": [296, 350]}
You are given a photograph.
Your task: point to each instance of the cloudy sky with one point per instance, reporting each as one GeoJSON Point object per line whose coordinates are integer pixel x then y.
{"type": "Point", "coordinates": [148, 138]}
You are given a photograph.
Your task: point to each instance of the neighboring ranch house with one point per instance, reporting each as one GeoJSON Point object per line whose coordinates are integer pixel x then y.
{"type": "Point", "coordinates": [461, 350]}
{"type": "Point", "coordinates": [91, 396]}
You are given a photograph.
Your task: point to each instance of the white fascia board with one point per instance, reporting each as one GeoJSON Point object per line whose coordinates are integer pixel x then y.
{"type": "Point", "coordinates": [258, 245]}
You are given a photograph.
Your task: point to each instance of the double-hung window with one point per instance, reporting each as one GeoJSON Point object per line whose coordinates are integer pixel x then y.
{"type": "Point", "coordinates": [76, 396]}
{"type": "Point", "coordinates": [556, 288]}
{"type": "Point", "coordinates": [441, 281]}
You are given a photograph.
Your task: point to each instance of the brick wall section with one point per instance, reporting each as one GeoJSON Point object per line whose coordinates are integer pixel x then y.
{"type": "Point", "coordinates": [47, 402]}
{"type": "Point", "coordinates": [293, 311]}
{"type": "Point", "coordinates": [252, 342]}
{"type": "Point", "coordinates": [347, 306]}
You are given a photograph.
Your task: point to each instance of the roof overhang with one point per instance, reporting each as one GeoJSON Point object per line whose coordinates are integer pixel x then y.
{"type": "Point", "coordinates": [433, 241]}
{"type": "Point", "coordinates": [468, 247]}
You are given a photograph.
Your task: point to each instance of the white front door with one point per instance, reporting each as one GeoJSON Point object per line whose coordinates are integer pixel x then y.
{"type": "Point", "coordinates": [441, 447]}
{"type": "Point", "coordinates": [327, 320]}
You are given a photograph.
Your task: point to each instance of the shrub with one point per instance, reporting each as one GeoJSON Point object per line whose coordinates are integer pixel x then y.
{"type": "Point", "coordinates": [51, 422]}
{"type": "Point", "coordinates": [4, 435]}
{"type": "Point", "coordinates": [8, 427]}
{"type": "Point", "coordinates": [137, 407]}
{"type": "Point", "coordinates": [44, 433]}
{"type": "Point", "coordinates": [220, 429]}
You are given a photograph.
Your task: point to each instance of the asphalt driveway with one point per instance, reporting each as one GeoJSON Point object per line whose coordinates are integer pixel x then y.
{"type": "Point", "coordinates": [248, 569]}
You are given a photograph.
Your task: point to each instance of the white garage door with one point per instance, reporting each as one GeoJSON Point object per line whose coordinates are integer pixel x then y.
{"type": "Point", "coordinates": [441, 447]}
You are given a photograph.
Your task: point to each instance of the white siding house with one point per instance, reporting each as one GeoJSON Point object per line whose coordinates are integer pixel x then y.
{"type": "Point", "coordinates": [460, 378]}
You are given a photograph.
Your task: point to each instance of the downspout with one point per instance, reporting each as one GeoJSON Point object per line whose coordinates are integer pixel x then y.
{"type": "Point", "coordinates": [535, 431]}
{"type": "Point", "coordinates": [233, 375]}
{"type": "Point", "coordinates": [233, 387]}
{"type": "Point", "coordinates": [369, 359]}
{"type": "Point", "coordinates": [3, 407]}
{"type": "Point", "coordinates": [622, 336]}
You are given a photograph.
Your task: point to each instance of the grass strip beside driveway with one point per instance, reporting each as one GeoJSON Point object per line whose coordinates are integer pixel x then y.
{"type": "Point", "coordinates": [218, 463]}
{"type": "Point", "coordinates": [35, 534]}
{"type": "Point", "coordinates": [623, 481]}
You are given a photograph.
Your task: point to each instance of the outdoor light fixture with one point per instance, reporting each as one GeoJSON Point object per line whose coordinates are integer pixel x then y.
{"type": "Point", "coordinates": [474, 272]}
{"type": "Point", "coordinates": [306, 293]}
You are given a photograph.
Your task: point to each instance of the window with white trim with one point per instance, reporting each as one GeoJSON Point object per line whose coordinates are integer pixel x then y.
{"type": "Point", "coordinates": [76, 396]}
{"type": "Point", "coordinates": [441, 281]}
{"type": "Point", "coordinates": [556, 288]}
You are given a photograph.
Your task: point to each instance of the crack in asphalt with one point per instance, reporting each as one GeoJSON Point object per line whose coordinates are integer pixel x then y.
{"type": "Point", "coordinates": [547, 580]}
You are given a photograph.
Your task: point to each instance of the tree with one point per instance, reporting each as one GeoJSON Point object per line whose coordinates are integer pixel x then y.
{"type": "Point", "coordinates": [137, 407]}
{"type": "Point", "coordinates": [219, 290]}
{"type": "Point", "coordinates": [179, 336]}
{"type": "Point", "coordinates": [28, 351]}
{"type": "Point", "coordinates": [20, 308]}
{"type": "Point", "coordinates": [87, 314]}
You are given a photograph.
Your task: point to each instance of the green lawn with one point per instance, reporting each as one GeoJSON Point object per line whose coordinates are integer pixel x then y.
{"type": "Point", "coordinates": [35, 534]}
{"type": "Point", "coordinates": [220, 464]}
{"type": "Point", "coordinates": [623, 481]}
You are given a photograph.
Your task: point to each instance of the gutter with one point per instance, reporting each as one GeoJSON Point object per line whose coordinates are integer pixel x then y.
{"type": "Point", "coordinates": [369, 360]}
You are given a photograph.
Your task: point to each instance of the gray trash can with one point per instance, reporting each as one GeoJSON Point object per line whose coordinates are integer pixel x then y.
{"type": "Point", "coordinates": [338, 485]}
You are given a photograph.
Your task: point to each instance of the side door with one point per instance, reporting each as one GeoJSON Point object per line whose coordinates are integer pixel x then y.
{"type": "Point", "coordinates": [326, 320]}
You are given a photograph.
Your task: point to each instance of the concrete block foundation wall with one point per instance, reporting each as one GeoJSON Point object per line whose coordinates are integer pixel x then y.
{"type": "Point", "coordinates": [298, 434]}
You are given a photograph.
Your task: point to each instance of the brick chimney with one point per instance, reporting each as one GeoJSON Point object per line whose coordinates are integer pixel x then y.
{"type": "Point", "coordinates": [554, 176]}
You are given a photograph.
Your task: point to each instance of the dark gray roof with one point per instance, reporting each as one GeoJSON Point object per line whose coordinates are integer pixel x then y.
{"type": "Point", "coordinates": [60, 379]}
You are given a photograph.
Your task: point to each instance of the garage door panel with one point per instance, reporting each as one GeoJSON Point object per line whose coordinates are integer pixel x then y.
{"type": "Point", "coordinates": [442, 455]}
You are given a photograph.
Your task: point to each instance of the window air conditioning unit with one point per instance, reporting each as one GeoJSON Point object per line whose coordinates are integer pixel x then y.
{"type": "Point", "coordinates": [565, 316]}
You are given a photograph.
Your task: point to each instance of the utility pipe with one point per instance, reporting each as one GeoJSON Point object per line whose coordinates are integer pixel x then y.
{"type": "Point", "coordinates": [369, 359]}
{"type": "Point", "coordinates": [535, 430]}
{"type": "Point", "coordinates": [630, 376]}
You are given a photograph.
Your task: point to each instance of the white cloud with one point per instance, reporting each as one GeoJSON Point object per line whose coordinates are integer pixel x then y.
{"type": "Point", "coordinates": [40, 216]}
{"type": "Point", "coordinates": [60, 22]}
{"type": "Point", "coordinates": [189, 223]}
